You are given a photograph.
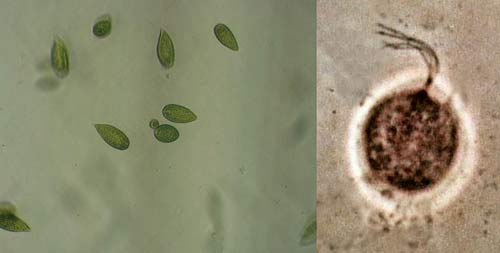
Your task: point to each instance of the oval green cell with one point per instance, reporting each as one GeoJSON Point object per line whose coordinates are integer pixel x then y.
{"type": "Point", "coordinates": [102, 26]}
{"type": "Point", "coordinates": [226, 37]}
{"type": "Point", "coordinates": [113, 136]}
{"type": "Point", "coordinates": [154, 123]}
{"type": "Point", "coordinates": [178, 114]}
{"type": "Point", "coordinates": [12, 223]}
{"type": "Point", "coordinates": [59, 58]}
{"type": "Point", "coordinates": [165, 50]}
{"type": "Point", "coordinates": [9, 221]}
{"type": "Point", "coordinates": [166, 133]}
{"type": "Point", "coordinates": [308, 235]}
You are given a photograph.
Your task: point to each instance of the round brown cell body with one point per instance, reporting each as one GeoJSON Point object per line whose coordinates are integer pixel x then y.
{"type": "Point", "coordinates": [410, 140]}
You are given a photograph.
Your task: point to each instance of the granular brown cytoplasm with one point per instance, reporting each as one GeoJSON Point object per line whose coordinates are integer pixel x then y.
{"type": "Point", "coordinates": [410, 140]}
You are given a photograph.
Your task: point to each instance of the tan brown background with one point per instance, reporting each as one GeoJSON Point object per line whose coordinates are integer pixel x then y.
{"type": "Point", "coordinates": [466, 36]}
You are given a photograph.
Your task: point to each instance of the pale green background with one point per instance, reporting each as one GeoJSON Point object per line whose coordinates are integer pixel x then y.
{"type": "Point", "coordinates": [240, 179]}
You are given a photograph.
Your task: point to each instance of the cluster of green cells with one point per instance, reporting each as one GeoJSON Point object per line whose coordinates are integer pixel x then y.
{"type": "Point", "coordinates": [165, 52]}
{"type": "Point", "coordinates": [174, 113]}
{"type": "Point", "coordinates": [117, 139]}
{"type": "Point", "coordinates": [166, 56]}
{"type": "Point", "coordinates": [114, 137]}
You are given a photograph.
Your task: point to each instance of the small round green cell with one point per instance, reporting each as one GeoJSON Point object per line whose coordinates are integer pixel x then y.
{"type": "Point", "coordinates": [102, 26]}
{"type": "Point", "coordinates": [166, 133]}
{"type": "Point", "coordinates": [153, 124]}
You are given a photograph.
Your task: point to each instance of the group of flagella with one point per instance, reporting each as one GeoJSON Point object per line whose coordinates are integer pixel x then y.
{"type": "Point", "coordinates": [114, 137]}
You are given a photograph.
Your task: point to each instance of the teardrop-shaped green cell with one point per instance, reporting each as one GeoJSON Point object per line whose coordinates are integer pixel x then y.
{"type": "Point", "coordinates": [178, 113]}
{"type": "Point", "coordinates": [59, 58]}
{"type": "Point", "coordinates": [226, 37]}
{"type": "Point", "coordinates": [165, 50]}
{"type": "Point", "coordinates": [166, 133]}
{"type": "Point", "coordinates": [102, 26]}
{"type": "Point", "coordinates": [12, 223]}
{"type": "Point", "coordinates": [9, 221]}
{"type": "Point", "coordinates": [113, 136]}
{"type": "Point", "coordinates": [308, 235]}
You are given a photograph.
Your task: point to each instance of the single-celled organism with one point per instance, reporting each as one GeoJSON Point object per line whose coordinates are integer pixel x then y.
{"type": "Point", "coordinates": [59, 58]}
{"type": "Point", "coordinates": [153, 123]}
{"type": "Point", "coordinates": [226, 37]}
{"type": "Point", "coordinates": [113, 136]}
{"type": "Point", "coordinates": [9, 221]}
{"type": "Point", "coordinates": [165, 50]}
{"type": "Point", "coordinates": [178, 113]}
{"type": "Point", "coordinates": [407, 156]}
{"type": "Point", "coordinates": [308, 235]}
{"type": "Point", "coordinates": [166, 133]}
{"type": "Point", "coordinates": [102, 26]}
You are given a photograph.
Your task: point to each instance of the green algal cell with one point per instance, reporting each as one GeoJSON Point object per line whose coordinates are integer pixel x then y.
{"type": "Point", "coordinates": [226, 37]}
{"type": "Point", "coordinates": [308, 235]}
{"type": "Point", "coordinates": [165, 50]}
{"type": "Point", "coordinates": [59, 58]}
{"type": "Point", "coordinates": [178, 113]}
{"type": "Point", "coordinates": [153, 124]}
{"type": "Point", "coordinates": [113, 136]}
{"type": "Point", "coordinates": [102, 26]}
{"type": "Point", "coordinates": [10, 222]}
{"type": "Point", "coordinates": [166, 133]}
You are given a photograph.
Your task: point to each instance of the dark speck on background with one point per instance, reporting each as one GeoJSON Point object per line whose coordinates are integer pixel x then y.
{"type": "Point", "coordinates": [242, 170]}
{"type": "Point", "coordinates": [413, 245]}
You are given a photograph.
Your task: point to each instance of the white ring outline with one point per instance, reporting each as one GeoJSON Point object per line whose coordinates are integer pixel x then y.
{"type": "Point", "coordinates": [454, 181]}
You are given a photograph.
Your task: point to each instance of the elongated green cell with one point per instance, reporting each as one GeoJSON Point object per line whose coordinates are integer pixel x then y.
{"type": "Point", "coordinates": [165, 50]}
{"type": "Point", "coordinates": [113, 136]}
{"type": "Point", "coordinates": [226, 37]}
{"type": "Point", "coordinates": [308, 235]}
{"type": "Point", "coordinates": [153, 124]}
{"type": "Point", "coordinates": [178, 113]}
{"type": "Point", "coordinates": [102, 26]}
{"type": "Point", "coordinates": [166, 133]}
{"type": "Point", "coordinates": [10, 222]}
{"type": "Point", "coordinates": [59, 58]}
